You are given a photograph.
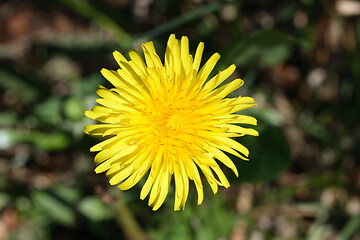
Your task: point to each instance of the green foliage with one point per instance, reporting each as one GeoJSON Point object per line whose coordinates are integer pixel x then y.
{"type": "Point", "coordinates": [43, 141]}
{"type": "Point", "coordinates": [57, 204]}
{"type": "Point", "coordinates": [49, 74]}
{"type": "Point", "coordinates": [209, 221]}
{"type": "Point", "coordinates": [263, 47]}
{"type": "Point", "coordinates": [7, 119]}
{"type": "Point", "coordinates": [83, 8]}
{"type": "Point", "coordinates": [49, 111]}
{"type": "Point", "coordinates": [73, 109]}
{"type": "Point", "coordinates": [94, 209]}
{"type": "Point", "coordinates": [15, 84]}
{"type": "Point", "coordinates": [269, 156]}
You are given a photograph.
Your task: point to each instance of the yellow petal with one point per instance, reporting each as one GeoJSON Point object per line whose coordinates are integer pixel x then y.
{"type": "Point", "coordinates": [163, 188]}
{"type": "Point", "coordinates": [206, 70]}
{"type": "Point", "coordinates": [138, 61]}
{"type": "Point", "coordinates": [224, 159]}
{"type": "Point", "coordinates": [147, 186]}
{"type": "Point", "coordinates": [233, 144]}
{"type": "Point", "coordinates": [238, 129]}
{"type": "Point", "coordinates": [108, 164]}
{"type": "Point", "coordinates": [119, 58]}
{"type": "Point", "coordinates": [111, 77]}
{"type": "Point", "coordinates": [218, 79]}
{"type": "Point", "coordinates": [185, 182]}
{"type": "Point", "coordinates": [213, 182]}
{"type": "Point", "coordinates": [228, 88]}
{"type": "Point", "coordinates": [198, 184]}
{"type": "Point", "coordinates": [121, 175]}
{"type": "Point", "coordinates": [99, 146]}
{"type": "Point", "coordinates": [97, 129]}
{"type": "Point", "coordinates": [221, 176]}
{"type": "Point", "coordinates": [185, 57]}
{"type": "Point", "coordinates": [136, 176]}
{"type": "Point", "coordinates": [179, 187]}
{"type": "Point", "coordinates": [148, 48]}
{"type": "Point", "coordinates": [198, 55]}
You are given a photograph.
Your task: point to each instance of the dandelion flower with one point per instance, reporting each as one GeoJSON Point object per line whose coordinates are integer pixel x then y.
{"type": "Point", "coordinates": [168, 120]}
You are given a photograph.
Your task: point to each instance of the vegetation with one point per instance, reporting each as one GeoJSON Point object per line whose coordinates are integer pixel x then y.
{"type": "Point", "coordinates": [299, 60]}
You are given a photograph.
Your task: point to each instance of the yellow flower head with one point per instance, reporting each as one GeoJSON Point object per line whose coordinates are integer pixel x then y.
{"type": "Point", "coordinates": [168, 120]}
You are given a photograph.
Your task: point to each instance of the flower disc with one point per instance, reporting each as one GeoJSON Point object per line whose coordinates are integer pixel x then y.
{"type": "Point", "coordinates": [169, 120]}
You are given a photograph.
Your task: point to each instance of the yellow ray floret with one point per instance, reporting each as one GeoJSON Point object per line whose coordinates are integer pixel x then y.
{"type": "Point", "coordinates": [168, 121]}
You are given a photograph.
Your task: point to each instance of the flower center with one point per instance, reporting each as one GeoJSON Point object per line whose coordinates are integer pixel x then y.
{"type": "Point", "coordinates": [169, 122]}
{"type": "Point", "coordinates": [172, 122]}
{"type": "Point", "coordinates": [175, 122]}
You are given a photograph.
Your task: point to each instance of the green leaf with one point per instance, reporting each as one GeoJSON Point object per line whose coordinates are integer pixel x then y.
{"type": "Point", "coordinates": [94, 209]}
{"type": "Point", "coordinates": [350, 228]}
{"type": "Point", "coordinates": [4, 200]}
{"type": "Point", "coordinates": [16, 84]}
{"type": "Point", "coordinates": [181, 20]}
{"type": "Point", "coordinates": [86, 9]}
{"type": "Point", "coordinates": [49, 111]}
{"type": "Point", "coordinates": [57, 203]}
{"type": "Point", "coordinates": [74, 109]}
{"type": "Point", "coordinates": [269, 156]}
{"type": "Point", "coordinates": [317, 130]}
{"type": "Point", "coordinates": [7, 119]}
{"type": "Point", "coordinates": [211, 220]}
{"type": "Point", "coordinates": [261, 47]}
{"type": "Point", "coordinates": [89, 85]}
{"type": "Point", "coordinates": [43, 141]}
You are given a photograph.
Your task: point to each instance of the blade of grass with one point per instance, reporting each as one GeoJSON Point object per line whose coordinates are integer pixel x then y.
{"type": "Point", "coordinates": [126, 220]}
{"type": "Point", "coordinates": [319, 181]}
{"type": "Point", "coordinates": [183, 19]}
{"type": "Point", "coordinates": [351, 226]}
{"type": "Point", "coordinates": [101, 19]}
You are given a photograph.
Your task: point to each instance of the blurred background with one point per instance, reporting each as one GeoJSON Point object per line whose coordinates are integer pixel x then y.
{"type": "Point", "coordinates": [300, 61]}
